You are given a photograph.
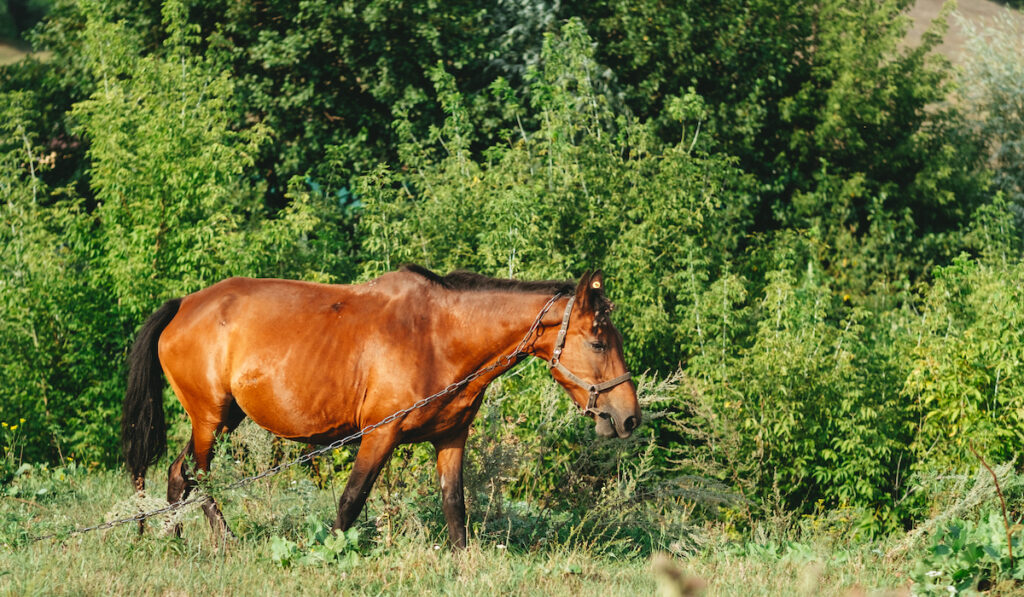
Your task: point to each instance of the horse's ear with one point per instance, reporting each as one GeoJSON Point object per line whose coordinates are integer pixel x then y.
{"type": "Point", "coordinates": [590, 291]}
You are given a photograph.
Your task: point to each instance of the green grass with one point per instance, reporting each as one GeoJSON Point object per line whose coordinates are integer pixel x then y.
{"type": "Point", "coordinates": [394, 561]}
{"type": "Point", "coordinates": [600, 545]}
{"type": "Point", "coordinates": [402, 549]}
{"type": "Point", "coordinates": [160, 566]}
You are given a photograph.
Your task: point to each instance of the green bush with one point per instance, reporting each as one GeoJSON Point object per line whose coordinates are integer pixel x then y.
{"type": "Point", "coordinates": [587, 189]}
{"type": "Point", "coordinates": [966, 357]}
{"type": "Point", "coordinates": [805, 409]}
{"type": "Point", "coordinates": [965, 556]}
{"type": "Point", "coordinates": [176, 210]}
{"type": "Point", "coordinates": [990, 87]}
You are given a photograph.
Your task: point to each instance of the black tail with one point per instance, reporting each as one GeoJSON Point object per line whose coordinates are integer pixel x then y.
{"type": "Point", "coordinates": [143, 433]}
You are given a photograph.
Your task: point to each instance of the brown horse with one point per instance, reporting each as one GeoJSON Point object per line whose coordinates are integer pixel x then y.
{"type": "Point", "coordinates": [314, 363]}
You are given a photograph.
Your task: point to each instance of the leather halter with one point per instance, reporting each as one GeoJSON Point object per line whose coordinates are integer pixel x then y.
{"type": "Point", "coordinates": [593, 389]}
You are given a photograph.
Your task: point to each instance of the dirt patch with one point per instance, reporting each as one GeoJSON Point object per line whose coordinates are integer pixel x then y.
{"type": "Point", "coordinates": [10, 54]}
{"type": "Point", "coordinates": [977, 12]}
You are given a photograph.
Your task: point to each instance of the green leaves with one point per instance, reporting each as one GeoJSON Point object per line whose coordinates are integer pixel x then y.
{"type": "Point", "coordinates": [586, 189]}
{"type": "Point", "coordinates": [319, 547]}
{"type": "Point", "coordinates": [966, 364]}
{"type": "Point", "coordinates": [167, 172]}
{"type": "Point", "coordinates": [174, 205]}
{"type": "Point", "coordinates": [967, 556]}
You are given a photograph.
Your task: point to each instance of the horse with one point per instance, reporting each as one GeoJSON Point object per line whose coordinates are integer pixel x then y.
{"type": "Point", "coordinates": [317, 362]}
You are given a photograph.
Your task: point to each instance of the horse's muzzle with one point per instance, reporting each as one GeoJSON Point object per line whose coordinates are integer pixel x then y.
{"type": "Point", "coordinates": [608, 423]}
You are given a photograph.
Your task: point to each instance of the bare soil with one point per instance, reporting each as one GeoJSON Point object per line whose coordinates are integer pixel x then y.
{"type": "Point", "coordinates": [977, 12]}
{"type": "Point", "coordinates": [10, 54]}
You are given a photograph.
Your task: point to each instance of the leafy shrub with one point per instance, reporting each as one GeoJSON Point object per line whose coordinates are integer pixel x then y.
{"type": "Point", "coordinates": [990, 87]}
{"type": "Point", "coordinates": [966, 556]}
{"type": "Point", "coordinates": [964, 382]}
{"type": "Point", "coordinates": [176, 210]}
{"type": "Point", "coordinates": [586, 189]}
{"type": "Point", "coordinates": [806, 410]}
{"type": "Point", "coordinates": [320, 546]}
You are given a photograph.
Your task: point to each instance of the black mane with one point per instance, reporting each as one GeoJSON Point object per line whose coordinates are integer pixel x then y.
{"type": "Point", "coordinates": [470, 281]}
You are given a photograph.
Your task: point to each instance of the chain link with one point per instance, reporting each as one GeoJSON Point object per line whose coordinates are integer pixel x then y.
{"type": "Point", "coordinates": [507, 359]}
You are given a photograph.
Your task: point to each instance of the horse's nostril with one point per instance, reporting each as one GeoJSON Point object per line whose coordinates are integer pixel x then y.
{"type": "Point", "coordinates": [630, 423]}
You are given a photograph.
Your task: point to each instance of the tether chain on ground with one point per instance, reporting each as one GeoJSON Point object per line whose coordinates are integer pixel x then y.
{"type": "Point", "coordinates": [141, 516]}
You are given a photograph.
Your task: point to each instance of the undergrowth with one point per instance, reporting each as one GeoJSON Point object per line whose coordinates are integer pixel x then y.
{"type": "Point", "coordinates": [621, 536]}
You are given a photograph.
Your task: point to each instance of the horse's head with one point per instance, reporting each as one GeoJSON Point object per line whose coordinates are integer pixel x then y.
{"type": "Point", "coordinates": [587, 361]}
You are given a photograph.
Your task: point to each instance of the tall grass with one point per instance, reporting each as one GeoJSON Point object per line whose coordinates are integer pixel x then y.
{"type": "Point", "coordinates": [617, 532]}
{"type": "Point", "coordinates": [407, 559]}
{"type": "Point", "coordinates": [518, 548]}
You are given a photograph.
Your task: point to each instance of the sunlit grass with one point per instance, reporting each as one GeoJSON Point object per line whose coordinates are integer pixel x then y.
{"type": "Point", "coordinates": [402, 551]}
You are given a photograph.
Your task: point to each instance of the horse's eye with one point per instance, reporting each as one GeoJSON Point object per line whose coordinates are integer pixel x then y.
{"type": "Point", "coordinates": [598, 346]}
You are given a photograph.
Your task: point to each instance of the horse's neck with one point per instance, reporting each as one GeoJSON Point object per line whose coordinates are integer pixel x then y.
{"type": "Point", "coordinates": [502, 320]}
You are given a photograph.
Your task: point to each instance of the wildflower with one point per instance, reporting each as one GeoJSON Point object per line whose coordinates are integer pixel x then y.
{"type": "Point", "coordinates": [22, 420]}
{"type": "Point", "coordinates": [13, 427]}
{"type": "Point", "coordinates": [933, 573]}
{"type": "Point", "coordinates": [952, 590]}
{"type": "Point", "coordinates": [500, 546]}
{"type": "Point", "coordinates": [4, 424]}
{"type": "Point", "coordinates": [436, 547]}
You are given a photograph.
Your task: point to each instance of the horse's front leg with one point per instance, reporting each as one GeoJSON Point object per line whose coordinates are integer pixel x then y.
{"type": "Point", "coordinates": [449, 472]}
{"type": "Point", "coordinates": [374, 450]}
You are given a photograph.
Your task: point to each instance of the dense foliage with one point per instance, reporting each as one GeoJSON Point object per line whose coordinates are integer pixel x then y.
{"type": "Point", "coordinates": [801, 230]}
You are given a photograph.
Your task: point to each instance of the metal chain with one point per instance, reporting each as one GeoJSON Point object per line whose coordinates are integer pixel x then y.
{"type": "Point", "coordinates": [507, 359]}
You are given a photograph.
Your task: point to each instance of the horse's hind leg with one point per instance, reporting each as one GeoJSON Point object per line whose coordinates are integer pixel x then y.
{"type": "Point", "coordinates": [202, 440]}
{"type": "Point", "coordinates": [179, 482]}
{"type": "Point", "coordinates": [203, 437]}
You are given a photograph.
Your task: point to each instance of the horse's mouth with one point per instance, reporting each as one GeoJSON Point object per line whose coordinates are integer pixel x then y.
{"type": "Point", "coordinates": [606, 426]}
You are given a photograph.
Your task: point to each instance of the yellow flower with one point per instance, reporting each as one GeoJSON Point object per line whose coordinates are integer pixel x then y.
{"type": "Point", "coordinates": [4, 424]}
{"type": "Point", "coordinates": [13, 427]}
{"type": "Point", "coordinates": [22, 421]}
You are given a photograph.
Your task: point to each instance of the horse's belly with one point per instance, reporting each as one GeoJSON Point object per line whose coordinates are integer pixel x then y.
{"type": "Point", "coordinates": [295, 406]}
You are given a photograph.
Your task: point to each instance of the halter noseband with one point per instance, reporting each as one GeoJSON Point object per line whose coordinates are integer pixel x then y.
{"type": "Point", "coordinates": [593, 389]}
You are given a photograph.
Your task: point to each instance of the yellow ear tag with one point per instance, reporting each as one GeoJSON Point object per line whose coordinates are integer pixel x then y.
{"type": "Point", "coordinates": [596, 284]}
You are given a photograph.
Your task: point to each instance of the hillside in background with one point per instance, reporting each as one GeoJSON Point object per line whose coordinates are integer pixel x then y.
{"type": "Point", "coordinates": [976, 12]}
{"type": "Point", "coordinates": [924, 11]}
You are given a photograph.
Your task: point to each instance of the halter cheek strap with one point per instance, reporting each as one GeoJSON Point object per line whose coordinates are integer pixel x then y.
{"type": "Point", "coordinates": [593, 389]}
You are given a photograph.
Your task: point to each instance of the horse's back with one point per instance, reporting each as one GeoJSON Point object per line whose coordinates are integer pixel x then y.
{"type": "Point", "coordinates": [298, 357]}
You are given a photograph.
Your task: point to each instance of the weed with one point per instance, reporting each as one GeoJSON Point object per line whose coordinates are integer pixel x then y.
{"type": "Point", "coordinates": [319, 546]}
{"type": "Point", "coordinates": [966, 557]}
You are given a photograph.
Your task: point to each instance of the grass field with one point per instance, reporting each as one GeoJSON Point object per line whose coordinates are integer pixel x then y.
{"type": "Point", "coordinates": [399, 546]}
{"type": "Point", "coordinates": [597, 544]}
{"type": "Point", "coordinates": [280, 549]}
